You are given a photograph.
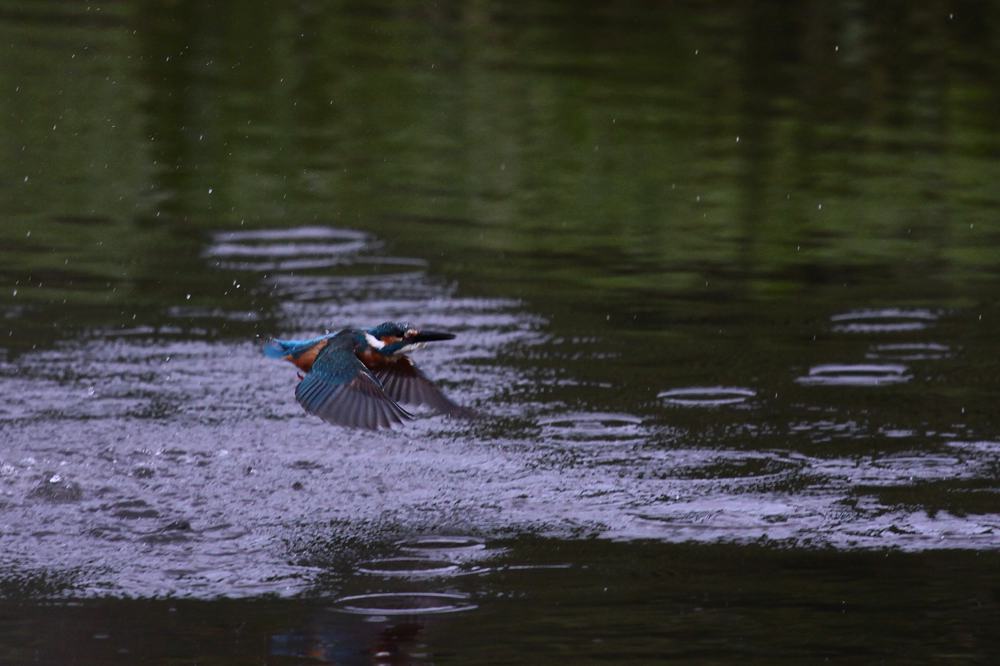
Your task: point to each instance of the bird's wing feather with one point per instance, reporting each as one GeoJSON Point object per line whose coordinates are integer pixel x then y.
{"type": "Point", "coordinates": [403, 381]}
{"type": "Point", "coordinates": [340, 390]}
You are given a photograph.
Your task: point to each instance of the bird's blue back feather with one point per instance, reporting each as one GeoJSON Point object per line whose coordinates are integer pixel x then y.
{"type": "Point", "coordinates": [281, 348]}
{"type": "Point", "coordinates": [394, 328]}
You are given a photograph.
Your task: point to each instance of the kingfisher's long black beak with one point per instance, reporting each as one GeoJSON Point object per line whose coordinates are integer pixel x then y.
{"type": "Point", "coordinates": [430, 336]}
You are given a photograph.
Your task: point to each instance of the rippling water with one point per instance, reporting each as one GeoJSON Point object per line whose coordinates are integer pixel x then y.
{"type": "Point", "coordinates": [725, 305]}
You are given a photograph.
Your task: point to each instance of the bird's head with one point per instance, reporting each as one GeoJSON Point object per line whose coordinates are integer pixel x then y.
{"type": "Point", "coordinates": [397, 337]}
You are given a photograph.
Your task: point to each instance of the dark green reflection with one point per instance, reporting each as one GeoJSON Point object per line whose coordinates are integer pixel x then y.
{"type": "Point", "coordinates": [638, 603]}
{"type": "Point", "coordinates": [614, 156]}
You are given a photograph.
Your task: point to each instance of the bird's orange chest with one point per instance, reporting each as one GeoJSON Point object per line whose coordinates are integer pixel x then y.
{"type": "Point", "coordinates": [373, 359]}
{"type": "Point", "coordinates": [305, 360]}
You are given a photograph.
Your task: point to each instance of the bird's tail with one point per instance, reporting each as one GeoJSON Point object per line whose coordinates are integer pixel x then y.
{"type": "Point", "coordinates": [278, 348]}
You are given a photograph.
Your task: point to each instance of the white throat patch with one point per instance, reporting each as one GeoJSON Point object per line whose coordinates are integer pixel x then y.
{"type": "Point", "coordinates": [373, 341]}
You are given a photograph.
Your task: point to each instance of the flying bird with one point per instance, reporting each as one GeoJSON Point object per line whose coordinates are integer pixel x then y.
{"type": "Point", "coordinates": [358, 378]}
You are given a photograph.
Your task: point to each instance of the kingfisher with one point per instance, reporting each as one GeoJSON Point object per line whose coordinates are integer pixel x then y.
{"type": "Point", "coordinates": [359, 377]}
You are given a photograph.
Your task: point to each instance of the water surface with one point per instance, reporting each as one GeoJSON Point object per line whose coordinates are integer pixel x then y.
{"type": "Point", "coordinates": [724, 282]}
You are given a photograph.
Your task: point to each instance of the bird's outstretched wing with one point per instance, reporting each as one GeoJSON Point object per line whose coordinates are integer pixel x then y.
{"type": "Point", "coordinates": [404, 382]}
{"type": "Point", "coordinates": [341, 390]}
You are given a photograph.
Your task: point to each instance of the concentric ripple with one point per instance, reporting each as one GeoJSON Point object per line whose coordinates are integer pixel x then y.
{"type": "Point", "coordinates": [404, 603]}
{"type": "Point", "coordinates": [706, 396]}
{"type": "Point", "coordinates": [301, 248]}
{"type": "Point", "coordinates": [911, 351]}
{"type": "Point", "coordinates": [885, 320]}
{"type": "Point", "coordinates": [592, 426]}
{"type": "Point", "coordinates": [441, 543]}
{"type": "Point", "coordinates": [407, 567]}
{"type": "Point", "coordinates": [858, 374]}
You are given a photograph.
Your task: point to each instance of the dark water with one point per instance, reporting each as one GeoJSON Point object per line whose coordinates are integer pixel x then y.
{"type": "Point", "coordinates": [725, 278]}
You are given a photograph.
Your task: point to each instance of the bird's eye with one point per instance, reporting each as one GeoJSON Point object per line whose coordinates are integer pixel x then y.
{"type": "Point", "coordinates": [410, 332]}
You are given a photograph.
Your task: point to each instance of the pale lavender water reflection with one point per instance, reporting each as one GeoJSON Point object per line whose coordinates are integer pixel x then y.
{"type": "Point", "coordinates": [157, 462]}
